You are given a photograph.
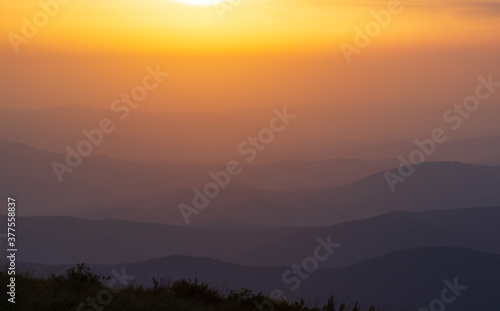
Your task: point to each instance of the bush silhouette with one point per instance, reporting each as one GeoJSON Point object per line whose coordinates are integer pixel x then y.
{"type": "Point", "coordinates": [77, 285]}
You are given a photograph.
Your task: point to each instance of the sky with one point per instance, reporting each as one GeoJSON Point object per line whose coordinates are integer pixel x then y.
{"type": "Point", "coordinates": [259, 54]}
{"type": "Point", "coordinates": [258, 25]}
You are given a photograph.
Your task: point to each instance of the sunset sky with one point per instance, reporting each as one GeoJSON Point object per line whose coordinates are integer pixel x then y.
{"type": "Point", "coordinates": [256, 25]}
{"type": "Point", "coordinates": [240, 60]}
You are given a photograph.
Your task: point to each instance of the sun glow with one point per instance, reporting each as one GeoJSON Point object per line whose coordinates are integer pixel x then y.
{"type": "Point", "coordinates": [200, 2]}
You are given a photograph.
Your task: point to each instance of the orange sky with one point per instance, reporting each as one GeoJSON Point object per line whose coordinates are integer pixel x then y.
{"type": "Point", "coordinates": [257, 25]}
{"type": "Point", "coordinates": [264, 51]}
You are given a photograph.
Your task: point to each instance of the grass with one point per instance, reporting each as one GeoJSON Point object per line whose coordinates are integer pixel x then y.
{"type": "Point", "coordinates": [79, 289]}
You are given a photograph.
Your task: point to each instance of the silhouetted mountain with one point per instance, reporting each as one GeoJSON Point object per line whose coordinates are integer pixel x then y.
{"type": "Point", "coordinates": [320, 133]}
{"type": "Point", "coordinates": [440, 185]}
{"type": "Point", "coordinates": [290, 174]}
{"type": "Point", "coordinates": [434, 185]}
{"type": "Point", "coordinates": [143, 136]}
{"type": "Point", "coordinates": [228, 225]}
{"type": "Point", "coordinates": [28, 173]}
{"type": "Point", "coordinates": [60, 240]}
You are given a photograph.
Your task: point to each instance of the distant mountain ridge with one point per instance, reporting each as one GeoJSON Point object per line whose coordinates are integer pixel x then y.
{"type": "Point", "coordinates": [208, 137]}
{"type": "Point", "coordinates": [434, 185]}
{"type": "Point", "coordinates": [69, 240]}
{"type": "Point", "coordinates": [28, 172]}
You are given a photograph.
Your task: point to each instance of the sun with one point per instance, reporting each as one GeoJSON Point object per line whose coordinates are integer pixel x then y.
{"type": "Point", "coordinates": [200, 2]}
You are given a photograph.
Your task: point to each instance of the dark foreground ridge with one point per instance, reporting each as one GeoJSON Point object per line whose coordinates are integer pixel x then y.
{"type": "Point", "coordinates": [81, 289]}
